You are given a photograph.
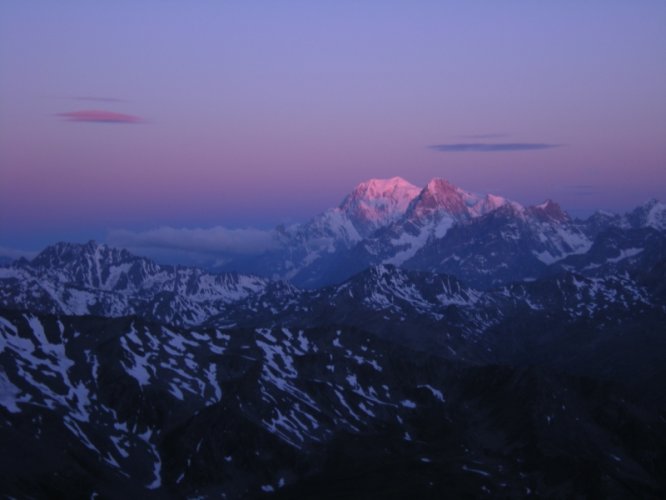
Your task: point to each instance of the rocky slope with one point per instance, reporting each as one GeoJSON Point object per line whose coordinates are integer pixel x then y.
{"type": "Point", "coordinates": [121, 407]}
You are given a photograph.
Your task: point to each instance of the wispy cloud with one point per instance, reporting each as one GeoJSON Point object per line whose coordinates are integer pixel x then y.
{"type": "Point", "coordinates": [483, 136]}
{"type": "Point", "coordinates": [486, 147]}
{"type": "Point", "coordinates": [97, 99]}
{"type": "Point", "coordinates": [99, 116]}
{"type": "Point", "coordinates": [213, 240]}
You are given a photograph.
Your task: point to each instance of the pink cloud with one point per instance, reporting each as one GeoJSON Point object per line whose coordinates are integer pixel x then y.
{"type": "Point", "coordinates": [99, 116]}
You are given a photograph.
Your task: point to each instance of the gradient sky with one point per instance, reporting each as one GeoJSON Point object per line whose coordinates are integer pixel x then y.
{"type": "Point", "coordinates": [138, 114]}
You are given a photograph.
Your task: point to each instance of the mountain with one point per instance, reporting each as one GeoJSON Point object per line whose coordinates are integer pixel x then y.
{"type": "Point", "coordinates": [513, 352]}
{"type": "Point", "coordinates": [483, 240]}
{"type": "Point", "coordinates": [616, 251]}
{"type": "Point", "coordinates": [452, 318]}
{"type": "Point", "coordinates": [380, 222]}
{"type": "Point", "coordinates": [96, 279]}
{"type": "Point", "coordinates": [438, 207]}
{"type": "Point", "coordinates": [113, 407]}
{"type": "Point", "coordinates": [376, 203]}
{"type": "Point", "coordinates": [302, 249]}
{"type": "Point", "coordinates": [651, 214]}
{"type": "Point", "coordinates": [508, 244]}
{"type": "Point", "coordinates": [394, 381]}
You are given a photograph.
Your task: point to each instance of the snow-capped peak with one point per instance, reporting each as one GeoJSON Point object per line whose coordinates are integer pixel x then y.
{"type": "Point", "coordinates": [656, 217]}
{"type": "Point", "coordinates": [374, 188]}
{"type": "Point", "coordinates": [372, 204]}
{"type": "Point", "coordinates": [440, 187]}
{"type": "Point", "coordinates": [440, 195]}
{"type": "Point", "coordinates": [378, 202]}
{"type": "Point", "coordinates": [74, 255]}
{"type": "Point", "coordinates": [651, 214]}
{"type": "Point", "coordinates": [491, 202]}
{"type": "Point", "coordinates": [549, 210]}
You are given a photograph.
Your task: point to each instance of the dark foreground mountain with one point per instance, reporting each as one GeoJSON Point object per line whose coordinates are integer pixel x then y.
{"type": "Point", "coordinates": [121, 408]}
{"type": "Point", "coordinates": [592, 293]}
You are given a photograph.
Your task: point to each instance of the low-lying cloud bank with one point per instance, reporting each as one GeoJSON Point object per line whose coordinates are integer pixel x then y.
{"type": "Point", "coordinates": [210, 241]}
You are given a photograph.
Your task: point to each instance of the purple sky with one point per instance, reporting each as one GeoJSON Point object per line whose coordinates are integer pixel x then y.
{"type": "Point", "coordinates": [139, 114]}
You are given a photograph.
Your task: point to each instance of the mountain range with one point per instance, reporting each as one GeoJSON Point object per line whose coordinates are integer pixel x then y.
{"type": "Point", "coordinates": [429, 343]}
{"type": "Point", "coordinates": [439, 228]}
